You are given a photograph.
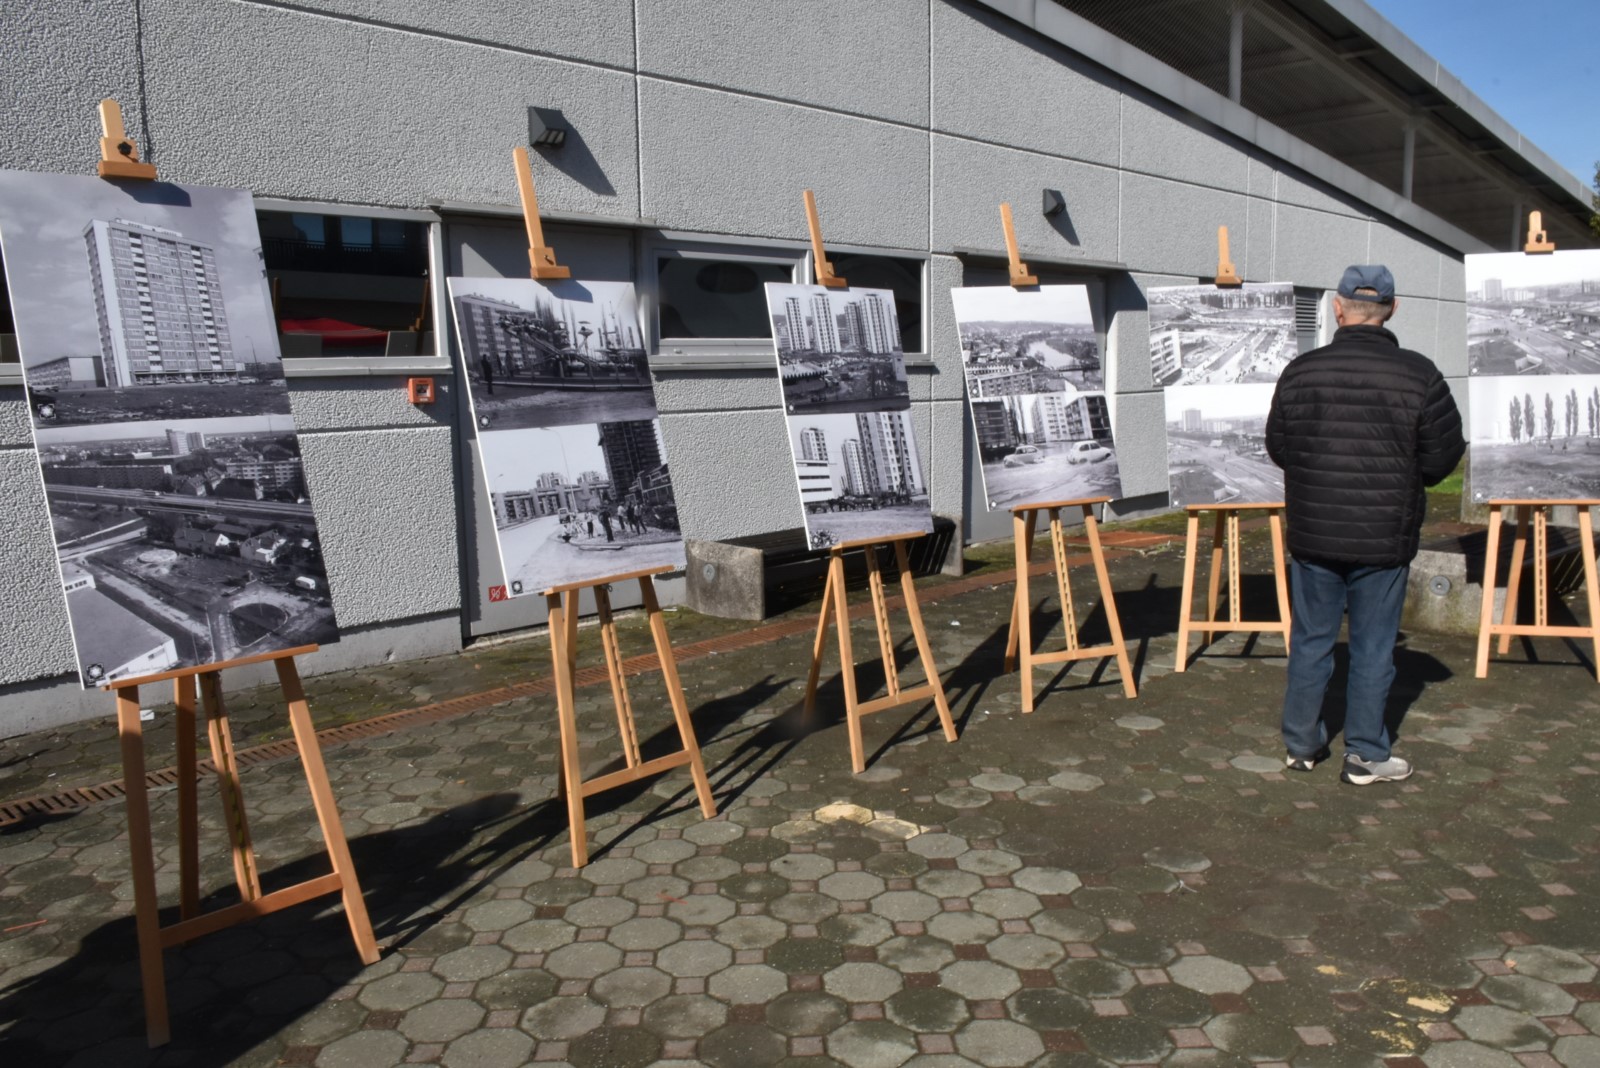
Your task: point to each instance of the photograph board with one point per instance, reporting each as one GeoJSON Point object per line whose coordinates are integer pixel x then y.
{"type": "Point", "coordinates": [1206, 335]}
{"type": "Point", "coordinates": [170, 462]}
{"type": "Point", "coordinates": [1534, 437]}
{"type": "Point", "coordinates": [843, 380]}
{"type": "Point", "coordinates": [567, 430]}
{"type": "Point", "coordinates": [1217, 444]}
{"type": "Point", "coordinates": [1036, 392]}
{"type": "Point", "coordinates": [1533, 315]}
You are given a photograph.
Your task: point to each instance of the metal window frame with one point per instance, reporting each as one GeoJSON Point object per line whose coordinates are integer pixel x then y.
{"type": "Point", "coordinates": [372, 366]}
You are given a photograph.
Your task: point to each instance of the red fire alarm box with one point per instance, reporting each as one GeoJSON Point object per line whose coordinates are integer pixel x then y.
{"type": "Point", "coordinates": [420, 390]}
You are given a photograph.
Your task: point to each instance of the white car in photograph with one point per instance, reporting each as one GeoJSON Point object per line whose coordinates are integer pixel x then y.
{"type": "Point", "coordinates": [1087, 452]}
{"type": "Point", "coordinates": [1025, 454]}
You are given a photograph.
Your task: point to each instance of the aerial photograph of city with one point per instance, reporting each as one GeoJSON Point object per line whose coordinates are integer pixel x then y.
{"type": "Point", "coordinates": [580, 503]}
{"type": "Point", "coordinates": [860, 477]}
{"type": "Point", "coordinates": [838, 349]}
{"type": "Point", "coordinates": [152, 306]}
{"type": "Point", "coordinates": [1533, 315]}
{"type": "Point", "coordinates": [1203, 334]}
{"type": "Point", "coordinates": [1534, 438]}
{"type": "Point", "coordinates": [551, 354]}
{"type": "Point", "coordinates": [183, 543]}
{"type": "Point", "coordinates": [1045, 447]}
{"type": "Point", "coordinates": [1217, 445]}
{"type": "Point", "coordinates": [1027, 341]}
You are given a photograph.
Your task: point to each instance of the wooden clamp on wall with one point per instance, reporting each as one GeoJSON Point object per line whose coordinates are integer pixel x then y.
{"type": "Point", "coordinates": [824, 269]}
{"type": "Point", "coordinates": [1539, 242]}
{"type": "Point", "coordinates": [1019, 270]}
{"type": "Point", "coordinates": [1227, 277]}
{"type": "Point", "coordinates": [119, 156]}
{"type": "Point", "coordinates": [541, 257]}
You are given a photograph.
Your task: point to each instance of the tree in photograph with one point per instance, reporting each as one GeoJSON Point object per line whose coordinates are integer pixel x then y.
{"type": "Point", "coordinates": [1594, 431]}
{"type": "Point", "coordinates": [1549, 418]}
{"type": "Point", "coordinates": [1594, 220]}
{"type": "Point", "coordinates": [1516, 420]}
{"type": "Point", "coordinates": [1529, 423]}
{"type": "Point", "coordinates": [1588, 404]}
{"type": "Point", "coordinates": [1572, 413]}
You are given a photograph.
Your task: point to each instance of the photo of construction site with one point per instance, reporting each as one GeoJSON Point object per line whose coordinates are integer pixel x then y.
{"type": "Point", "coordinates": [1206, 335]}
{"type": "Point", "coordinates": [1533, 315]}
{"type": "Point", "coordinates": [551, 354]}
{"type": "Point", "coordinates": [183, 543]}
{"type": "Point", "coordinates": [839, 350]}
{"type": "Point", "coordinates": [1217, 445]}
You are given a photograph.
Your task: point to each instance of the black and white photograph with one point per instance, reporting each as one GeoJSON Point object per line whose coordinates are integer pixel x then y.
{"type": "Point", "coordinates": [1014, 341]}
{"type": "Point", "coordinates": [838, 349]}
{"type": "Point", "coordinates": [1533, 315]}
{"type": "Point", "coordinates": [183, 542]}
{"type": "Point", "coordinates": [1045, 447]}
{"type": "Point", "coordinates": [1217, 445]}
{"type": "Point", "coordinates": [580, 503]}
{"type": "Point", "coordinates": [1534, 437]}
{"type": "Point", "coordinates": [138, 300]}
{"type": "Point", "coordinates": [539, 354]}
{"type": "Point", "coordinates": [1205, 335]}
{"type": "Point", "coordinates": [860, 476]}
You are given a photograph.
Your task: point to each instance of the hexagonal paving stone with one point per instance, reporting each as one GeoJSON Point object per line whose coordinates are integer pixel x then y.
{"type": "Point", "coordinates": [988, 862]}
{"type": "Point", "coordinates": [807, 1012]}
{"type": "Point", "coordinates": [613, 871]}
{"type": "Point", "coordinates": [871, 1044]}
{"type": "Point", "coordinates": [1049, 1009]}
{"type": "Point", "coordinates": [1005, 903]}
{"type": "Point", "coordinates": [1210, 975]}
{"type": "Point", "coordinates": [964, 928]}
{"type": "Point", "coordinates": [631, 987]}
{"type": "Point", "coordinates": [701, 910]}
{"type": "Point", "coordinates": [1533, 996]}
{"type": "Point", "coordinates": [364, 1049]}
{"type": "Point", "coordinates": [742, 1045]}
{"type": "Point", "coordinates": [694, 959]}
{"type": "Point", "coordinates": [749, 932]}
{"type": "Point", "coordinates": [851, 885]}
{"type": "Point", "coordinates": [538, 936]}
{"type": "Point", "coordinates": [1047, 880]}
{"type": "Point", "coordinates": [397, 993]}
{"type": "Point", "coordinates": [600, 911]}
{"type": "Point", "coordinates": [1577, 1049]}
{"type": "Point", "coordinates": [645, 932]}
{"type": "Point", "coordinates": [1503, 1028]}
{"type": "Point", "coordinates": [1026, 951]}
{"type": "Point", "coordinates": [748, 984]}
{"type": "Point", "coordinates": [583, 960]}
{"type": "Point", "coordinates": [929, 1009]}
{"type": "Point", "coordinates": [472, 963]}
{"type": "Point", "coordinates": [999, 1043]}
{"type": "Point", "coordinates": [980, 980]}
{"type": "Point", "coordinates": [1094, 978]}
{"type": "Point", "coordinates": [862, 981]}
{"type": "Point", "coordinates": [1076, 781]}
{"type": "Point", "coordinates": [1468, 1055]}
{"type": "Point", "coordinates": [685, 1015]}
{"type": "Point", "coordinates": [901, 906]}
{"type": "Point", "coordinates": [494, 1048]}
{"type": "Point", "coordinates": [1177, 859]}
{"type": "Point", "coordinates": [1551, 964]}
{"type": "Point", "coordinates": [614, 1047]}
{"type": "Point", "coordinates": [909, 954]}
{"type": "Point", "coordinates": [497, 915]}
{"type": "Point", "coordinates": [1260, 1038]}
{"type": "Point", "coordinates": [946, 846]}
{"type": "Point", "coordinates": [563, 1017]}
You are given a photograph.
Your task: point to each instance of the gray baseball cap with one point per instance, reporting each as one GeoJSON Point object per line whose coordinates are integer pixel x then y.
{"type": "Point", "coordinates": [1374, 276]}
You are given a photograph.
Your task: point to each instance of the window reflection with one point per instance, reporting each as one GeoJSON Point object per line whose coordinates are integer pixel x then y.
{"type": "Point", "coordinates": [715, 298]}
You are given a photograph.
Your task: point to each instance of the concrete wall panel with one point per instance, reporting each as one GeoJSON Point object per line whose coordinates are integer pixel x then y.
{"type": "Point", "coordinates": [35, 640]}
{"type": "Point", "coordinates": [1450, 350]}
{"type": "Point", "coordinates": [364, 114]}
{"type": "Point", "coordinates": [1452, 277]}
{"type": "Point", "coordinates": [1157, 139]}
{"type": "Point", "coordinates": [1139, 423]}
{"type": "Point", "coordinates": [1171, 228]}
{"type": "Point", "coordinates": [945, 382]}
{"type": "Point", "coordinates": [595, 31]}
{"type": "Point", "coordinates": [1415, 263]}
{"type": "Point", "coordinates": [942, 459]}
{"type": "Point", "coordinates": [717, 162]}
{"type": "Point", "coordinates": [971, 180]}
{"type": "Point", "coordinates": [1303, 192]}
{"type": "Point", "coordinates": [996, 82]}
{"type": "Point", "coordinates": [1258, 263]}
{"type": "Point", "coordinates": [736, 475]}
{"type": "Point", "coordinates": [1314, 248]}
{"type": "Point", "coordinates": [1416, 324]}
{"type": "Point", "coordinates": [15, 431]}
{"type": "Point", "coordinates": [711, 392]}
{"type": "Point", "coordinates": [791, 51]}
{"type": "Point", "coordinates": [367, 403]}
{"type": "Point", "coordinates": [385, 504]}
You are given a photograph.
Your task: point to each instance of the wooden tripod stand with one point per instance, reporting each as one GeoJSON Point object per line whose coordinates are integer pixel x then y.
{"type": "Point", "coordinates": [563, 608]}
{"type": "Point", "coordinates": [1225, 546]}
{"type": "Point", "coordinates": [1019, 642]}
{"type": "Point", "coordinates": [836, 610]}
{"type": "Point", "coordinates": [153, 937]}
{"type": "Point", "coordinates": [1534, 516]}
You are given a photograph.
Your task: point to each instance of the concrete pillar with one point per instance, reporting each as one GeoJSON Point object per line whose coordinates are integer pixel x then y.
{"type": "Point", "coordinates": [1236, 54]}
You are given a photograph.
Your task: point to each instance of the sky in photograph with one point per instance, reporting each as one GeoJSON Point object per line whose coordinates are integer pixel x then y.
{"type": "Point", "coordinates": [1535, 63]}
{"type": "Point", "coordinates": [514, 459]}
{"type": "Point", "coordinates": [1520, 269]}
{"type": "Point", "coordinates": [1047, 304]}
{"type": "Point", "coordinates": [42, 219]}
{"type": "Point", "coordinates": [590, 302]}
{"type": "Point", "coordinates": [156, 429]}
{"type": "Point", "coordinates": [1224, 400]}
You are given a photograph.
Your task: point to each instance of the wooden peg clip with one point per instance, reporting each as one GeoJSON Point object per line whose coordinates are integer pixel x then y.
{"type": "Point", "coordinates": [119, 156]}
{"type": "Point", "coordinates": [1539, 243]}
{"type": "Point", "coordinates": [1019, 270]}
{"type": "Point", "coordinates": [541, 257]}
{"type": "Point", "coordinates": [824, 269]}
{"type": "Point", "coordinates": [1226, 275]}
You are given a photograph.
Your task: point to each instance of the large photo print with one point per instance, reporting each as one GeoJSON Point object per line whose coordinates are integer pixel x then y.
{"type": "Point", "coordinates": [1217, 445]}
{"type": "Point", "coordinates": [1534, 437]}
{"type": "Point", "coordinates": [1206, 335]}
{"type": "Point", "coordinates": [1533, 315]}
{"type": "Point", "coordinates": [838, 349]}
{"type": "Point", "coordinates": [860, 477]}
{"type": "Point", "coordinates": [1036, 390]}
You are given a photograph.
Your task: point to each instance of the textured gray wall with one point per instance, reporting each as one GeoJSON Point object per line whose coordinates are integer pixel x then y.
{"type": "Point", "coordinates": [911, 119]}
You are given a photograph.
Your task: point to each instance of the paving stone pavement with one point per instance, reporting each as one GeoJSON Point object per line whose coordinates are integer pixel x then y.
{"type": "Point", "coordinates": [1102, 882]}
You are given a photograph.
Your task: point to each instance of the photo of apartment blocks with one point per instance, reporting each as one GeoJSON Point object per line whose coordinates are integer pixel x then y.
{"type": "Point", "coordinates": [838, 352]}
{"type": "Point", "coordinates": [878, 461]}
{"type": "Point", "coordinates": [635, 474]}
{"type": "Point", "coordinates": [1002, 423]}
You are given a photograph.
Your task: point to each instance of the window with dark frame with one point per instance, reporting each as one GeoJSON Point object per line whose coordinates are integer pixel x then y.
{"type": "Point", "coordinates": [349, 285]}
{"type": "Point", "coordinates": [710, 298]}
{"type": "Point", "coordinates": [8, 326]}
{"type": "Point", "coordinates": [903, 276]}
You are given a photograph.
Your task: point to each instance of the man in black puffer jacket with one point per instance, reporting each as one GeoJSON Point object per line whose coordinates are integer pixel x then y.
{"type": "Point", "coordinates": [1360, 427]}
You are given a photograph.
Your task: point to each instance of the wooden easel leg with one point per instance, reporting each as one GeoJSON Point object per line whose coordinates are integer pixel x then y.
{"type": "Point", "coordinates": [1058, 553]}
{"type": "Point", "coordinates": [1586, 542]}
{"type": "Point", "coordinates": [183, 699]}
{"type": "Point", "coordinates": [1191, 543]}
{"type": "Point", "coordinates": [1519, 549]}
{"type": "Point", "coordinates": [1486, 613]}
{"type": "Point", "coordinates": [1219, 541]}
{"type": "Point", "coordinates": [141, 857]}
{"type": "Point", "coordinates": [1022, 530]}
{"type": "Point", "coordinates": [245, 872]}
{"type": "Point", "coordinates": [908, 589]}
{"type": "Point", "coordinates": [1541, 567]}
{"type": "Point", "coordinates": [880, 617]}
{"type": "Point", "coordinates": [1108, 600]}
{"type": "Point", "coordinates": [1280, 575]}
{"type": "Point", "coordinates": [305, 737]}
{"type": "Point", "coordinates": [1235, 606]}
{"type": "Point", "coordinates": [572, 779]}
{"type": "Point", "coordinates": [627, 730]}
{"type": "Point", "coordinates": [680, 706]}
{"type": "Point", "coordinates": [847, 663]}
{"type": "Point", "coordinates": [818, 643]}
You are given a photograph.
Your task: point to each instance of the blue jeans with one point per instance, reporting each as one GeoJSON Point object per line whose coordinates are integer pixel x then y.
{"type": "Point", "coordinates": [1320, 594]}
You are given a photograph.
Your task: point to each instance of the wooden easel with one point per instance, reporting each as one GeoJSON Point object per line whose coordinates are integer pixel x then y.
{"type": "Point", "coordinates": [563, 608]}
{"type": "Point", "coordinates": [153, 937]}
{"type": "Point", "coordinates": [1019, 641]}
{"type": "Point", "coordinates": [836, 610]}
{"type": "Point", "coordinates": [1534, 515]}
{"type": "Point", "coordinates": [1225, 551]}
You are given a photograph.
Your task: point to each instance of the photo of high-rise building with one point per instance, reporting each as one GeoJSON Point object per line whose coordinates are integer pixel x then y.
{"type": "Point", "coordinates": [860, 476]}
{"type": "Point", "coordinates": [839, 350]}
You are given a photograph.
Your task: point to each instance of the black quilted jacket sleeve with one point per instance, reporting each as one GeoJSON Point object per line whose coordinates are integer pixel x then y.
{"type": "Point", "coordinates": [1360, 427]}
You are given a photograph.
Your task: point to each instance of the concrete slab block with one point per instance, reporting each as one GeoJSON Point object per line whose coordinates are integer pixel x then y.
{"type": "Point", "coordinates": [1314, 247]}
{"type": "Point", "coordinates": [596, 31]}
{"type": "Point", "coordinates": [1259, 263]}
{"type": "Point", "coordinates": [732, 472]}
{"type": "Point", "coordinates": [784, 50]}
{"type": "Point", "coordinates": [16, 431]}
{"type": "Point", "coordinates": [1263, 178]}
{"type": "Point", "coordinates": [1416, 324]}
{"type": "Point", "coordinates": [725, 580]}
{"type": "Point", "coordinates": [746, 389]}
{"type": "Point", "coordinates": [1050, 100]}
{"type": "Point", "coordinates": [368, 403]}
{"type": "Point", "coordinates": [1295, 188]}
{"type": "Point", "coordinates": [1452, 277]}
{"type": "Point", "coordinates": [1159, 139]}
{"type": "Point", "coordinates": [1138, 421]}
{"type": "Point", "coordinates": [1128, 336]}
{"type": "Point", "coordinates": [870, 178]}
{"type": "Point", "coordinates": [945, 381]}
{"type": "Point", "coordinates": [1450, 348]}
{"type": "Point", "coordinates": [1414, 262]}
{"type": "Point", "coordinates": [971, 180]}
{"type": "Point", "coordinates": [1171, 228]}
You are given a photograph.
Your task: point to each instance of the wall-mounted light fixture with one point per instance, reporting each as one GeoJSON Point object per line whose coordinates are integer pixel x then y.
{"type": "Point", "coordinates": [547, 128]}
{"type": "Point", "coordinates": [1054, 203]}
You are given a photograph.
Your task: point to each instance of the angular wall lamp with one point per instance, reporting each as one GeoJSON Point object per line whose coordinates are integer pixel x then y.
{"type": "Point", "coordinates": [1054, 203]}
{"type": "Point", "coordinates": [547, 128]}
